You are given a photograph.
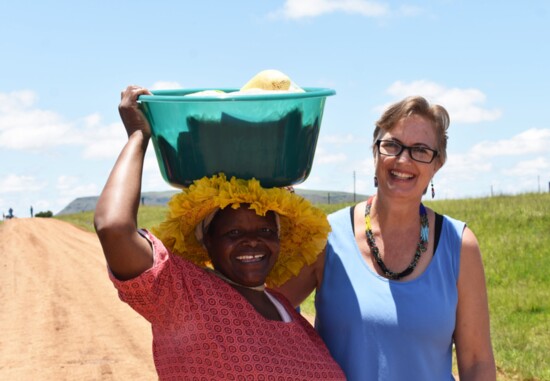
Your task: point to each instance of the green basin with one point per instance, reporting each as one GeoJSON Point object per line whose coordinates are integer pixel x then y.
{"type": "Point", "coordinates": [270, 137]}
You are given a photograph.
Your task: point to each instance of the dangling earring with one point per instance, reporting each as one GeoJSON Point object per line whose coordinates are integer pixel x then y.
{"type": "Point", "coordinates": [375, 182]}
{"type": "Point", "coordinates": [433, 190]}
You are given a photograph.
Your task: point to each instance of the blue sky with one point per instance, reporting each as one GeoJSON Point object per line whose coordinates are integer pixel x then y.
{"type": "Point", "coordinates": [64, 63]}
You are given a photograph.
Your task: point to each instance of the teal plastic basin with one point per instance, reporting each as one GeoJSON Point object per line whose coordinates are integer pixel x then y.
{"type": "Point", "coordinates": [270, 137]}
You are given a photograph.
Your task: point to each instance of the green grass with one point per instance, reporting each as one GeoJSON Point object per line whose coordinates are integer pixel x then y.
{"type": "Point", "coordinates": [84, 220]}
{"type": "Point", "coordinates": [514, 236]}
{"type": "Point", "coordinates": [148, 216]}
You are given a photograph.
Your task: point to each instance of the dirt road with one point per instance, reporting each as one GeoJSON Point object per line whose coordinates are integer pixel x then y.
{"type": "Point", "coordinates": [60, 316]}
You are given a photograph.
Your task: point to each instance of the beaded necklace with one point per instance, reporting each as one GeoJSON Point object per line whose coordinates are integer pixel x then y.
{"type": "Point", "coordinates": [422, 243]}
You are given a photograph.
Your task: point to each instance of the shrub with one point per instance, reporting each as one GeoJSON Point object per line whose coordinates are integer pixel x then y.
{"type": "Point", "coordinates": [44, 214]}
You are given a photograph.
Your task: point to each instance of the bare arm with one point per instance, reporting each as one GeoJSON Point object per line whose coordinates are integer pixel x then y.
{"type": "Point", "coordinates": [127, 253]}
{"type": "Point", "coordinates": [472, 334]}
{"type": "Point", "coordinates": [297, 289]}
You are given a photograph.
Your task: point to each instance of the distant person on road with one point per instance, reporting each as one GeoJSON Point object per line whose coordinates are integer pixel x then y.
{"type": "Point", "coordinates": [399, 284]}
{"type": "Point", "coordinates": [32, 213]}
{"type": "Point", "coordinates": [218, 321]}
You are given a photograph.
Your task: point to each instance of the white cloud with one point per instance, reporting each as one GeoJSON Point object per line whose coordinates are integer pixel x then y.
{"type": "Point", "coordinates": [102, 141]}
{"type": "Point", "coordinates": [24, 127]}
{"type": "Point", "coordinates": [150, 163]}
{"type": "Point", "coordinates": [410, 10]}
{"type": "Point", "coordinates": [322, 156]}
{"type": "Point", "coordinates": [297, 9]}
{"type": "Point", "coordinates": [492, 167]}
{"type": "Point", "coordinates": [14, 183]}
{"type": "Point", "coordinates": [35, 137]}
{"type": "Point", "coordinates": [463, 105]}
{"type": "Point", "coordinates": [105, 149]}
{"type": "Point", "coordinates": [339, 139]}
{"type": "Point", "coordinates": [70, 187]}
{"type": "Point", "coordinates": [29, 129]}
{"type": "Point", "coordinates": [16, 100]}
{"type": "Point", "coordinates": [467, 166]}
{"type": "Point", "coordinates": [529, 168]}
{"type": "Point", "coordinates": [165, 85]}
{"type": "Point", "coordinates": [330, 158]}
{"type": "Point", "coordinates": [530, 141]}
{"type": "Point", "coordinates": [366, 165]}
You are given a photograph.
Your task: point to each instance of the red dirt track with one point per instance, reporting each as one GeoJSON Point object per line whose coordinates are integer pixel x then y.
{"type": "Point", "coordinates": [60, 316]}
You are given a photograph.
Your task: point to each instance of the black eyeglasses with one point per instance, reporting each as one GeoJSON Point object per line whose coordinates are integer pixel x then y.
{"type": "Point", "coordinates": [417, 153]}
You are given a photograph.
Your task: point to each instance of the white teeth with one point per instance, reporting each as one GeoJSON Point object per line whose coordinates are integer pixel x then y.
{"type": "Point", "coordinates": [247, 258]}
{"type": "Point", "coordinates": [401, 175]}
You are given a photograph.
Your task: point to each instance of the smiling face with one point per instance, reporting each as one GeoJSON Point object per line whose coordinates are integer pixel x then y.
{"type": "Point", "coordinates": [401, 176]}
{"type": "Point", "coordinates": [242, 245]}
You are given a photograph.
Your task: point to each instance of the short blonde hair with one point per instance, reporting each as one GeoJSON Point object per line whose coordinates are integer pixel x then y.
{"type": "Point", "coordinates": [416, 105]}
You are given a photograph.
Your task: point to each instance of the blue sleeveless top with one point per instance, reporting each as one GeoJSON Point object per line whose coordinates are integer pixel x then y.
{"type": "Point", "coordinates": [379, 329]}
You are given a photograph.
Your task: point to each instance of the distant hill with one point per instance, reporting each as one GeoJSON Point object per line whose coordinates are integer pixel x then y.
{"type": "Point", "coordinates": [85, 204]}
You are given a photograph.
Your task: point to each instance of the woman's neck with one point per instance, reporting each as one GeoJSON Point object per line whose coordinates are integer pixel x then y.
{"type": "Point", "coordinates": [256, 296]}
{"type": "Point", "coordinates": [259, 288]}
{"type": "Point", "coordinates": [399, 214]}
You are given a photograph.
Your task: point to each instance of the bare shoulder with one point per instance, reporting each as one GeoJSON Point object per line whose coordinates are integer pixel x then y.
{"type": "Point", "coordinates": [469, 240]}
{"type": "Point", "coordinates": [471, 274]}
{"type": "Point", "coordinates": [470, 253]}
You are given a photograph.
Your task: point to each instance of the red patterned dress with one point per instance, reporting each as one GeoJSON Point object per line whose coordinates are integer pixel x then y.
{"type": "Point", "coordinates": [205, 330]}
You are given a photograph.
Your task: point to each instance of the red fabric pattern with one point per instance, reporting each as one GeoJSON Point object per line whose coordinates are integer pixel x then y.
{"type": "Point", "coordinates": [205, 330]}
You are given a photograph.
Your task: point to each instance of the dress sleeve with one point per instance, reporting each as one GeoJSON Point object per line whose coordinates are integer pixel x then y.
{"type": "Point", "coordinates": [146, 292]}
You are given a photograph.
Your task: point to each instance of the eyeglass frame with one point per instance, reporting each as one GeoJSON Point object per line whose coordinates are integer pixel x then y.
{"type": "Point", "coordinates": [408, 148]}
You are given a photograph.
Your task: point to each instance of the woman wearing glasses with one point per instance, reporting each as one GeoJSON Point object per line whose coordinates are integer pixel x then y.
{"type": "Point", "coordinates": [398, 284]}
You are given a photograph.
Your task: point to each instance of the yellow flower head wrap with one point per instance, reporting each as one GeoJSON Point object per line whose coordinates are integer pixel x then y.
{"type": "Point", "coordinates": [303, 233]}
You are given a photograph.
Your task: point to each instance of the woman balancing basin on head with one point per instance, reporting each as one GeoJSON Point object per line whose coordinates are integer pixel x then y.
{"type": "Point", "coordinates": [199, 278]}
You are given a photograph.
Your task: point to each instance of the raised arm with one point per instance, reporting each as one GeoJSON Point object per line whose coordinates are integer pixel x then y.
{"type": "Point", "coordinates": [127, 253]}
{"type": "Point", "coordinates": [472, 334]}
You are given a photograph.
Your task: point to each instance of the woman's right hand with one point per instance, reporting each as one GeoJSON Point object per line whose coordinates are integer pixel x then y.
{"type": "Point", "coordinates": [131, 115]}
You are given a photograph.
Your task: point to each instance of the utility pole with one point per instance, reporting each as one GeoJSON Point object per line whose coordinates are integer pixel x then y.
{"type": "Point", "coordinates": [354, 187]}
